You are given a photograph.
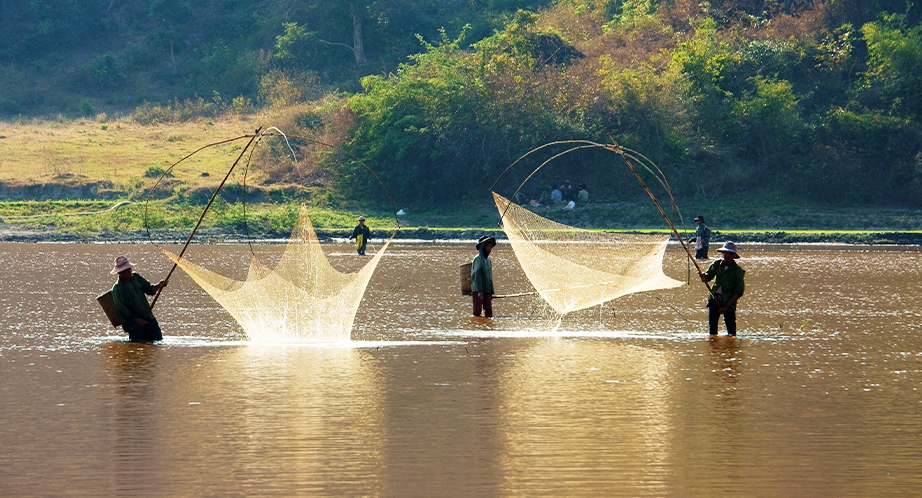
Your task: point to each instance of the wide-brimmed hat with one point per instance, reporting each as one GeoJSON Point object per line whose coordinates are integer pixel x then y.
{"type": "Point", "coordinates": [729, 247]}
{"type": "Point", "coordinates": [483, 240]}
{"type": "Point", "coordinates": [361, 218]}
{"type": "Point", "coordinates": [121, 264]}
{"type": "Point", "coordinates": [699, 217]}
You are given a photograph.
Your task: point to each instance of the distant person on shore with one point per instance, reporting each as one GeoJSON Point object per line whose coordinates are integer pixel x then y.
{"type": "Point", "coordinates": [361, 234]}
{"type": "Point", "coordinates": [582, 197]}
{"type": "Point", "coordinates": [556, 196]}
{"type": "Point", "coordinates": [482, 277]}
{"type": "Point", "coordinates": [545, 198]}
{"type": "Point", "coordinates": [702, 238]}
{"type": "Point", "coordinates": [566, 191]}
{"type": "Point", "coordinates": [132, 307]}
{"type": "Point", "coordinates": [728, 287]}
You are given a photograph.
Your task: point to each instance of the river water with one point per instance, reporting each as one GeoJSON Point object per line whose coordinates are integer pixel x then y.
{"type": "Point", "coordinates": [819, 395]}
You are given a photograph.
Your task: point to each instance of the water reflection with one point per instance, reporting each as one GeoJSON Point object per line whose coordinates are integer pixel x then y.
{"type": "Point", "coordinates": [136, 434]}
{"type": "Point", "coordinates": [261, 420]}
{"type": "Point", "coordinates": [581, 415]}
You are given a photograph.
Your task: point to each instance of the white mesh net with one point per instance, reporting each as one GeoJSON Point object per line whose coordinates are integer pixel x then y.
{"type": "Point", "coordinates": [302, 300]}
{"type": "Point", "coordinates": [574, 269]}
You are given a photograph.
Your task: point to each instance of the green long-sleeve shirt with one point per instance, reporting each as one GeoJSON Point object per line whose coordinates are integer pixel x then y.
{"type": "Point", "coordinates": [482, 274]}
{"type": "Point", "coordinates": [131, 303]}
{"type": "Point", "coordinates": [728, 280]}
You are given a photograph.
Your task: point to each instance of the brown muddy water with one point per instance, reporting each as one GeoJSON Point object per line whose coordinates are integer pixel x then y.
{"type": "Point", "coordinates": [819, 396]}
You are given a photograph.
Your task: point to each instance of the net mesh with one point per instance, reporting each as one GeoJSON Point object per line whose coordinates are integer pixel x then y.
{"type": "Point", "coordinates": [574, 269]}
{"type": "Point", "coordinates": [303, 299]}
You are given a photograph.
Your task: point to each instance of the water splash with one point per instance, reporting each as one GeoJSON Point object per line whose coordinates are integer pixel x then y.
{"type": "Point", "coordinates": [302, 300]}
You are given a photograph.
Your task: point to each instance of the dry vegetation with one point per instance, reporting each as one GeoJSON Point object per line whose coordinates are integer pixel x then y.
{"type": "Point", "coordinates": [125, 155]}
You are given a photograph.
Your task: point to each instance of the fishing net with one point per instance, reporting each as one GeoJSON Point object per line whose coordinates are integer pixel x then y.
{"type": "Point", "coordinates": [574, 269]}
{"type": "Point", "coordinates": [303, 299]}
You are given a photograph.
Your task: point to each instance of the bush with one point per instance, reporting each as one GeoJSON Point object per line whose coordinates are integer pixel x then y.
{"type": "Point", "coordinates": [156, 172]}
{"type": "Point", "coordinates": [186, 110]}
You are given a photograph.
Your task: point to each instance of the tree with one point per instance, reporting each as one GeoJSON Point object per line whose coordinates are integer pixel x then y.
{"type": "Point", "coordinates": [894, 74]}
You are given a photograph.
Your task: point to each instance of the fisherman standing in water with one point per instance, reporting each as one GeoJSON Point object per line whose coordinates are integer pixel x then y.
{"type": "Point", "coordinates": [131, 305]}
{"type": "Point", "coordinates": [361, 234]}
{"type": "Point", "coordinates": [482, 277]}
{"type": "Point", "coordinates": [727, 289]}
{"type": "Point", "coordinates": [702, 238]}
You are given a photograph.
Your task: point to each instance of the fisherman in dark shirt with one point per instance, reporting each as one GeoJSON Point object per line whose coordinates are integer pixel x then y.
{"type": "Point", "coordinates": [482, 277]}
{"type": "Point", "coordinates": [132, 307]}
{"type": "Point", "coordinates": [361, 234]}
{"type": "Point", "coordinates": [702, 238]}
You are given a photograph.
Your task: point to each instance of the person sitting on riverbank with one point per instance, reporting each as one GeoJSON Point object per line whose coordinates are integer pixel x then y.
{"type": "Point", "coordinates": [131, 305]}
{"type": "Point", "coordinates": [482, 277]}
{"type": "Point", "coordinates": [582, 197]}
{"type": "Point", "coordinates": [727, 289]}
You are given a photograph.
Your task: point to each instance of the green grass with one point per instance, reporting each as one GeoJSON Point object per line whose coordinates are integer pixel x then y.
{"type": "Point", "coordinates": [98, 218]}
{"type": "Point", "coordinates": [89, 217]}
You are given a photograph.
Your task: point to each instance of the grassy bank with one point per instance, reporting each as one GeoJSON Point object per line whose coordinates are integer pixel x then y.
{"type": "Point", "coordinates": [171, 220]}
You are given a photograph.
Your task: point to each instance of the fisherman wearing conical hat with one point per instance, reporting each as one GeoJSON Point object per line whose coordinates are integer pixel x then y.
{"type": "Point", "coordinates": [361, 234]}
{"type": "Point", "coordinates": [482, 277]}
{"type": "Point", "coordinates": [131, 304]}
{"type": "Point", "coordinates": [728, 287]}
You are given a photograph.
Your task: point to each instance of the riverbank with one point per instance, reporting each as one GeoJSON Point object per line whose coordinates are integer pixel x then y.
{"type": "Point", "coordinates": [122, 221]}
{"type": "Point", "coordinates": [216, 236]}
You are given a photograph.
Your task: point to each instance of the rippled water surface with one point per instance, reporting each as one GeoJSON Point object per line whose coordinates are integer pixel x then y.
{"type": "Point", "coordinates": [819, 396]}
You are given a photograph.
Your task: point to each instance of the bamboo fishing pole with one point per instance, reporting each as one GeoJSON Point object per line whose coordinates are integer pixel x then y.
{"type": "Point", "coordinates": [214, 196]}
{"type": "Point", "coordinates": [617, 149]}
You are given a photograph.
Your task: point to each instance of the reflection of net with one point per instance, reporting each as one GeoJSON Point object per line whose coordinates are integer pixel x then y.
{"type": "Point", "coordinates": [573, 269]}
{"type": "Point", "coordinates": [304, 299]}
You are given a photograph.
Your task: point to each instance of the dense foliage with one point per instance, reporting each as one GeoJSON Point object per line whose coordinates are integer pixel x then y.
{"type": "Point", "coordinates": [741, 99]}
{"type": "Point", "coordinates": [765, 105]}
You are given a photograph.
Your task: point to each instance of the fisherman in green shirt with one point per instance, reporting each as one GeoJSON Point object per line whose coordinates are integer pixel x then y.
{"type": "Point", "coordinates": [482, 277]}
{"type": "Point", "coordinates": [727, 289]}
{"type": "Point", "coordinates": [132, 307]}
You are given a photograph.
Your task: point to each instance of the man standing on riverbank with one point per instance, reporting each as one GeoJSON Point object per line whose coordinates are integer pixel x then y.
{"type": "Point", "coordinates": [702, 238]}
{"type": "Point", "coordinates": [482, 277]}
{"type": "Point", "coordinates": [361, 234]}
{"type": "Point", "coordinates": [727, 289]}
{"type": "Point", "coordinates": [131, 304]}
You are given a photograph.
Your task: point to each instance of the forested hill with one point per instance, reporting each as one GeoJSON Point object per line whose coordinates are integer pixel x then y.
{"type": "Point", "coordinates": [60, 55]}
{"type": "Point", "coordinates": [738, 99]}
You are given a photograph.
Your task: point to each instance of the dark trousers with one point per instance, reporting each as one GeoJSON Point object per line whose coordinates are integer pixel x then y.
{"type": "Point", "coordinates": [484, 304]}
{"type": "Point", "coordinates": [701, 253]}
{"type": "Point", "coordinates": [361, 250]}
{"type": "Point", "coordinates": [147, 333]}
{"type": "Point", "coordinates": [714, 318]}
